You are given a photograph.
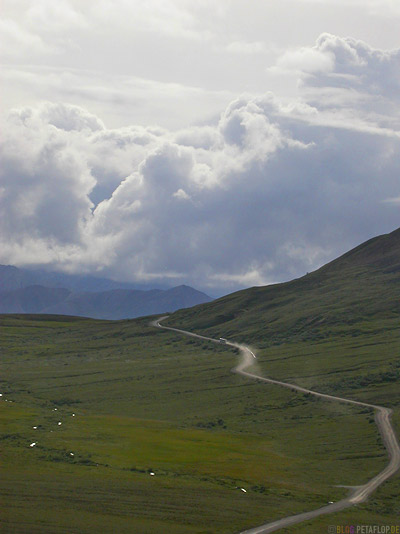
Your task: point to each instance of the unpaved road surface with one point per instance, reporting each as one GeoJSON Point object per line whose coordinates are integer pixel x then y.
{"type": "Point", "coordinates": [382, 417]}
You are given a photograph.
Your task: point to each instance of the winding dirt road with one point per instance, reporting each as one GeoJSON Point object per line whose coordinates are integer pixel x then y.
{"type": "Point", "coordinates": [382, 417]}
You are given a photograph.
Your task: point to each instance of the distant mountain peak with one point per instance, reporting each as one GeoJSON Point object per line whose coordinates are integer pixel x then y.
{"type": "Point", "coordinates": [24, 291]}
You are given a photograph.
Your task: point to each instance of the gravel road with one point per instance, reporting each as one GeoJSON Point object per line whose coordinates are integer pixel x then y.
{"type": "Point", "coordinates": [382, 417]}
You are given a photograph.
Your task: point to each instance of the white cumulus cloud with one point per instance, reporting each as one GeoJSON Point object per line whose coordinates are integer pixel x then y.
{"type": "Point", "coordinates": [268, 191]}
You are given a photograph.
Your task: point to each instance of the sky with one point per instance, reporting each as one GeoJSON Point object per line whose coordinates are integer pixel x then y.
{"type": "Point", "coordinates": [216, 144]}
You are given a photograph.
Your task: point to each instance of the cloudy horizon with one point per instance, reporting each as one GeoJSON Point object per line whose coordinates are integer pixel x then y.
{"type": "Point", "coordinates": [214, 146]}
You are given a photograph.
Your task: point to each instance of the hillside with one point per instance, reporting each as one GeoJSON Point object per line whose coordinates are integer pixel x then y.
{"type": "Point", "coordinates": [335, 330]}
{"type": "Point", "coordinates": [362, 285]}
{"type": "Point", "coordinates": [113, 304]}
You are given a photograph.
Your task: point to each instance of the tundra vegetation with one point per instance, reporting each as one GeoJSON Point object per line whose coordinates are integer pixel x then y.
{"type": "Point", "coordinates": [135, 400]}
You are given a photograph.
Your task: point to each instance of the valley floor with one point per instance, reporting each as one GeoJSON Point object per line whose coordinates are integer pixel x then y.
{"type": "Point", "coordinates": [148, 401]}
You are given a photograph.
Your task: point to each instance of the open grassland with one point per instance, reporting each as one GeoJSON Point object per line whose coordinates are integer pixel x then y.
{"type": "Point", "coordinates": [147, 400]}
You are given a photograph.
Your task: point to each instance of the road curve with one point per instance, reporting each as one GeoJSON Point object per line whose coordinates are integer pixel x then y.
{"type": "Point", "coordinates": [382, 419]}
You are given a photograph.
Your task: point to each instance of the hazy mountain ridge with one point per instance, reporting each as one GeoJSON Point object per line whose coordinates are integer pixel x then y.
{"type": "Point", "coordinates": [20, 294]}
{"type": "Point", "coordinates": [124, 303]}
{"type": "Point", "coordinates": [12, 278]}
{"type": "Point", "coordinates": [31, 299]}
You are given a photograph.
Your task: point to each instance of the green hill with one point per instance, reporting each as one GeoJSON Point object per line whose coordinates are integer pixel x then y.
{"type": "Point", "coordinates": [362, 285]}
{"type": "Point", "coordinates": [335, 329]}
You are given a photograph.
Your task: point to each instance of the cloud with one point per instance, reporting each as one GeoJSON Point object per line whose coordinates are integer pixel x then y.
{"type": "Point", "coordinates": [346, 63]}
{"type": "Point", "coordinates": [358, 66]}
{"type": "Point", "coordinates": [181, 194]}
{"type": "Point", "coordinates": [382, 8]}
{"type": "Point", "coordinates": [268, 191]}
{"type": "Point", "coordinates": [58, 24]}
{"type": "Point", "coordinates": [307, 60]}
{"type": "Point", "coordinates": [46, 182]}
{"type": "Point", "coordinates": [68, 118]}
{"type": "Point", "coordinates": [117, 96]}
{"type": "Point", "coordinates": [54, 17]}
{"type": "Point", "coordinates": [350, 82]}
{"type": "Point", "coordinates": [173, 18]}
{"type": "Point", "coordinates": [395, 200]}
{"type": "Point", "coordinates": [243, 47]}
{"type": "Point", "coordinates": [18, 41]}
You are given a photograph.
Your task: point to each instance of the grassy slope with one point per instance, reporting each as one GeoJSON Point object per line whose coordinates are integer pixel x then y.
{"type": "Point", "coordinates": [360, 287]}
{"type": "Point", "coordinates": [334, 330]}
{"type": "Point", "coordinates": [146, 400]}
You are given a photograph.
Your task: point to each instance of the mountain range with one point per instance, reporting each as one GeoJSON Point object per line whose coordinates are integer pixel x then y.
{"type": "Point", "coordinates": [12, 277]}
{"type": "Point", "coordinates": [25, 291]}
